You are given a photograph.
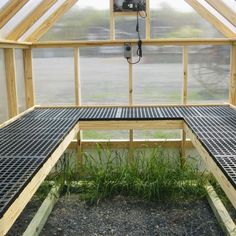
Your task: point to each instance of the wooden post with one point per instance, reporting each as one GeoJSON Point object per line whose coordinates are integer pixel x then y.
{"type": "Point", "coordinates": [232, 86]}
{"type": "Point", "coordinates": [11, 81]}
{"type": "Point", "coordinates": [185, 99]}
{"type": "Point", "coordinates": [28, 73]}
{"type": "Point", "coordinates": [77, 80]}
{"type": "Point", "coordinates": [77, 102]}
{"type": "Point", "coordinates": [112, 22]}
{"type": "Point", "coordinates": [148, 20]}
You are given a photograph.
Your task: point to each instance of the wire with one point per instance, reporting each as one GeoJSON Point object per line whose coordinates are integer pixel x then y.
{"type": "Point", "coordinates": [139, 51]}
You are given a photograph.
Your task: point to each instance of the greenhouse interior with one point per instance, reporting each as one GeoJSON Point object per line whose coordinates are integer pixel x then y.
{"type": "Point", "coordinates": [117, 117]}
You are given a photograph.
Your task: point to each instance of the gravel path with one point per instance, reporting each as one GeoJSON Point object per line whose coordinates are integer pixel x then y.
{"type": "Point", "coordinates": [126, 216]}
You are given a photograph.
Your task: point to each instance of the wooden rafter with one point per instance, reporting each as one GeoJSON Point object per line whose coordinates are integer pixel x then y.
{"type": "Point", "coordinates": [10, 10]}
{"type": "Point", "coordinates": [21, 28]}
{"type": "Point", "coordinates": [224, 10]}
{"type": "Point", "coordinates": [211, 18]}
{"type": "Point", "coordinates": [48, 23]}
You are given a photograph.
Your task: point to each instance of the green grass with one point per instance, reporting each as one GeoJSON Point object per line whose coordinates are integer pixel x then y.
{"type": "Point", "coordinates": [150, 175]}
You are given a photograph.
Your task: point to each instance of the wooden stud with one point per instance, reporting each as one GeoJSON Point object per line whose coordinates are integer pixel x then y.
{"type": "Point", "coordinates": [232, 86]}
{"type": "Point", "coordinates": [220, 211]}
{"type": "Point", "coordinates": [198, 7]}
{"type": "Point", "coordinates": [11, 82]}
{"type": "Point", "coordinates": [48, 23]}
{"type": "Point", "coordinates": [28, 73]}
{"type": "Point", "coordinates": [148, 20]}
{"type": "Point", "coordinates": [160, 42]}
{"type": "Point", "coordinates": [25, 25]}
{"type": "Point", "coordinates": [19, 204]}
{"type": "Point", "coordinates": [37, 223]}
{"type": "Point", "coordinates": [224, 10]}
{"type": "Point", "coordinates": [212, 167]}
{"type": "Point", "coordinates": [77, 77]}
{"type": "Point", "coordinates": [112, 22]}
{"type": "Point", "coordinates": [10, 10]}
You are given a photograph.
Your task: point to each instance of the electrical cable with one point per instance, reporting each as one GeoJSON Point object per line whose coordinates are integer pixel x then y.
{"type": "Point", "coordinates": [139, 51]}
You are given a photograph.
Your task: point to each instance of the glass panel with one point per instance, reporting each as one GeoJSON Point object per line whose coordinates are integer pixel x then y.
{"type": "Point", "coordinates": [3, 3]}
{"type": "Point", "coordinates": [209, 71]}
{"type": "Point", "coordinates": [54, 76]}
{"type": "Point", "coordinates": [105, 134]}
{"type": "Point", "coordinates": [3, 90]}
{"type": "Point", "coordinates": [19, 16]}
{"type": "Point", "coordinates": [158, 78]}
{"type": "Point", "coordinates": [20, 80]}
{"type": "Point", "coordinates": [87, 20]}
{"type": "Point", "coordinates": [126, 27]}
{"type": "Point", "coordinates": [231, 4]}
{"type": "Point", "coordinates": [104, 76]}
{"type": "Point", "coordinates": [157, 134]}
{"type": "Point", "coordinates": [176, 19]}
{"type": "Point", "coordinates": [42, 19]}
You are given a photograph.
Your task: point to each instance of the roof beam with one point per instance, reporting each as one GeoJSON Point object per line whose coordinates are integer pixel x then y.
{"type": "Point", "coordinates": [211, 18]}
{"type": "Point", "coordinates": [48, 23]}
{"type": "Point", "coordinates": [224, 10]}
{"type": "Point", "coordinates": [10, 10]}
{"type": "Point", "coordinates": [30, 19]}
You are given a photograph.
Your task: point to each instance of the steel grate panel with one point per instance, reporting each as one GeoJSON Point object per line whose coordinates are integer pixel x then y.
{"type": "Point", "coordinates": [15, 173]}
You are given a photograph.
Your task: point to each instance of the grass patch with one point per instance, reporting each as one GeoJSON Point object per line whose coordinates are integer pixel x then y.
{"type": "Point", "coordinates": [151, 175]}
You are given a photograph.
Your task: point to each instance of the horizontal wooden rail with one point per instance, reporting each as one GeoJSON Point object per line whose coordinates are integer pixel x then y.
{"type": "Point", "coordinates": [14, 44]}
{"type": "Point", "coordinates": [120, 144]}
{"type": "Point", "coordinates": [172, 41]}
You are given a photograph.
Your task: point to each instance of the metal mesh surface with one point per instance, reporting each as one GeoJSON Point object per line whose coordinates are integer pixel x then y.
{"type": "Point", "coordinates": [27, 143]}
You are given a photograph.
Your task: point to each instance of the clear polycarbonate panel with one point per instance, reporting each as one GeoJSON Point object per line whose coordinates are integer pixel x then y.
{"type": "Point", "coordinates": [20, 81]}
{"type": "Point", "coordinates": [87, 20]}
{"type": "Point", "coordinates": [231, 4]}
{"type": "Point", "coordinates": [105, 134]}
{"type": "Point", "coordinates": [54, 76]}
{"type": "Point", "coordinates": [125, 27]}
{"type": "Point", "coordinates": [3, 4]}
{"type": "Point", "coordinates": [104, 76]}
{"type": "Point", "coordinates": [3, 90]}
{"type": "Point", "coordinates": [41, 20]}
{"type": "Point", "coordinates": [209, 72]}
{"type": "Point", "coordinates": [19, 16]}
{"type": "Point", "coordinates": [176, 19]}
{"type": "Point", "coordinates": [156, 134]}
{"type": "Point", "coordinates": [158, 77]}
{"type": "Point", "coordinates": [218, 16]}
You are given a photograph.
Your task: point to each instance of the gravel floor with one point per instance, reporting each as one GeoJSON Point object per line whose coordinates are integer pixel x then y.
{"type": "Point", "coordinates": [126, 216]}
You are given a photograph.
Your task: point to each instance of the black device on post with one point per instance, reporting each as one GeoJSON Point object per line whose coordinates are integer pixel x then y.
{"type": "Point", "coordinates": [129, 5]}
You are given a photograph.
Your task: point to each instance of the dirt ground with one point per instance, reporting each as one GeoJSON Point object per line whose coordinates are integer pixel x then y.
{"type": "Point", "coordinates": [123, 216]}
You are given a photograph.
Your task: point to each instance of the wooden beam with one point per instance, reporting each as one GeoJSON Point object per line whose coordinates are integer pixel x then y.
{"type": "Point", "coordinates": [28, 73]}
{"type": "Point", "coordinates": [161, 42]}
{"type": "Point", "coordinates": [224, 10]}
{"type": "Point", "coordinates": [123, 144]}
{"type": "Point", "coordinates": [19, 204]}
{"type": "Point", "coordinates": [77, 77]}
{"type": "Point", "coordinates": [127, 125]}
{"type": "Point", "coordinates": [11, 81]}
{"type": "Point", "coordinates": [202, 11]}
{"type": "Point", "coordinates": [10, 10]}
{"type": "Point", "coordinates": [112, 22]}
{"type": "Point", "coordinates": [37, 223]}
{"type": "Point", "coordinates": [220, 211]}
{"type": "Point", "coordinates": [148, 20]}
{"type": "Point", "coordinates": [185, 76]}
{"type": "Point", "coordinates": [48, 23]}
{"type": "Point", "coordinates": [13, 44]}
{"type": "Point", "coordinates": [36, 14]}
{"type": "Point", "coordinates": [232, 85]}
{"type": "Point", "coordinates": [211, 165]}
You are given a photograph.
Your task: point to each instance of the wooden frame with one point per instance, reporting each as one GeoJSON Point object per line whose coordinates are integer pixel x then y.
{"type": "Point", "coordinates": [19, 204]}
{"type": "Point", "coordinates": [232, 84]}
{"type": "Point", "coordinates": [10, 10]}
{"type": "Point", "coordinates": [211, 18]}
{"type": "Point", "coordinates": [47, 24]}
{"type": "Point", "coordinates": [23, 26]}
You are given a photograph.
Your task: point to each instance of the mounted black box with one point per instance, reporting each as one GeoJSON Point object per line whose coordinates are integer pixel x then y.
{"type": "Point", "coordinates": [129, 5]}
